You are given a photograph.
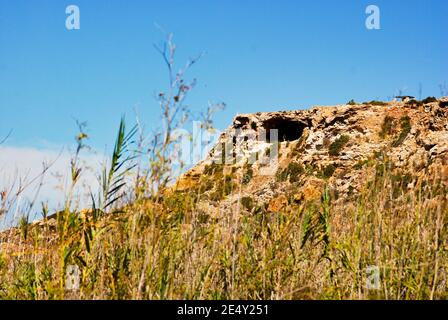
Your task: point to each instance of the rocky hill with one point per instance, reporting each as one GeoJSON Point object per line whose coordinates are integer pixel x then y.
{"type": "Point", "coordinates": [324, 146]}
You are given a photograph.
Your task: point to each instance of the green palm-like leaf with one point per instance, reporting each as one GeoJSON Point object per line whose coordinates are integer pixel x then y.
{"type": "Point", "coordinates": [113, 180]}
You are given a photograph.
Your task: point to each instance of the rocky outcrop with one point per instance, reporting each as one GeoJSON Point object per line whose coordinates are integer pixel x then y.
{"type": "Point", "coordinates": [323, 146]}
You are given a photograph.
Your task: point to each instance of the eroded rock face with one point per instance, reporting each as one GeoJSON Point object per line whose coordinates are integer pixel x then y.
{"type": "Point", "coordinates": [324, 146]}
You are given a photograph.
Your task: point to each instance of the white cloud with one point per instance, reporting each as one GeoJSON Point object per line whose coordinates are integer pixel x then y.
{"type": "Point", "coordinates": [24, 167]}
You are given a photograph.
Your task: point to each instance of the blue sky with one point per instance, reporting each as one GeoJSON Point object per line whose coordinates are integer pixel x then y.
{"type": "Point", "coordinates": [260, 56]}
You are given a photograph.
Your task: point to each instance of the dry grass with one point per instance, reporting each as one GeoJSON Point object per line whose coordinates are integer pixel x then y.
{"type": "Point", "coordinates": [167, 249]}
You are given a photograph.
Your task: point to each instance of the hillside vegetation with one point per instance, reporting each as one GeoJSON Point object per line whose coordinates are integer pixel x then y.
{"type": "Point", "coordinates": [357, 186]}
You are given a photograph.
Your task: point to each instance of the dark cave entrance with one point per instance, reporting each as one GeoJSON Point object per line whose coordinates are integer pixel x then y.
{"type": "Point", "coordinates": [288, 130]}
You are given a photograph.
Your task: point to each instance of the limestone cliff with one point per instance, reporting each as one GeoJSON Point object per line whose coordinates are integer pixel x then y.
{"type": "Point", "coordinates": [324, 146]}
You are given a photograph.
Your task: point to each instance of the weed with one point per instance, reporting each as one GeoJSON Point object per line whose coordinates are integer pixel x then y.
{"type": "Point", "coordinates": [387, 126]}
{"type": "Point", "coordinates": [328, 171]}
{"type": "Point", "coordinates": [292, 171]}
{"type": "Point", "coordinates": [414, 103]}
{"type": "Point", "coordinates": [247, 203]}
{"type": "Point", "coordinates": [223, 188]}
{"type": "Point", "coordinates": [375, 103]}
{"type": "Point", "coordinates": [213, 168]}
{"type": "Point", "coordinates": [336, 147]}
{"type": "Point", "coordinates": [405, 123]}
{"type": "Point", "coordinates": [360, 164]}
{"type": "Point", "coordinates": [400, 183]}
{"type": "Point", "coordinates": [429, 100]}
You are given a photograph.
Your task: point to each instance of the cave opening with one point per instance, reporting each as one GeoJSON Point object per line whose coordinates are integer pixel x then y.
{"type": "Point", "coordinates": [288, 130]}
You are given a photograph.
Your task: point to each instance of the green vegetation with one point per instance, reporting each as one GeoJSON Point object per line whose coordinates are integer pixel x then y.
{"type": "Point", "coordinates": [328, 171]}
{"type": "Point", "coordinates": [414, 103]}
{"type": "Point", "coordinates": [281, 175]}
{"type": "Point", "coordinates": [360, 164]}
{"type": "Point", "coordinates": [335, 148]}
{"type": "Point", "coordinates": [352, 102]}
{"type": "Point", "coordinates": [405, 123]}
{"type": "Point", "coordinates": [24, 227]}
{"type": "Point", "coordinates": [419, 103]}
{"type": "Point", "coordinates": [248, 174]}
{"type": "Point", "coordinates": [223, 187]}
{"type": "Point", "coordinates": [387, 127]}
{"type": "Point", "coordinates": [429, 100]}
{"type": "Point", "coordinates": [292, 171]}
{"type": "Point", "coordinates": [400, 182]}
{"type": "Point", "coordinates": [213, 168]}
{"type": "Point", "coordinates": [247, 203]}
{"type": "Point", "coordinates": [375, 103]}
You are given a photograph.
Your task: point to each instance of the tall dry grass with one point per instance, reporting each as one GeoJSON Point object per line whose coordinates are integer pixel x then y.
{"type": "Point", "coordinates": [170, 250]}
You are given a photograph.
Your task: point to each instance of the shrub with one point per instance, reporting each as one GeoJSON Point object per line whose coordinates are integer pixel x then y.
{"type": "Point", "coordinates": [328, 171]}
{"type": "Point", "coordinates": [24, 227]}
{"type": "Point", "coordinates": [376, 103]}
{"type": "Point", "coordinates": [204, 184]}
{"type": "Point", "coordinates": [386, 127]}
{"type": "Point", "coordinates": [178, 202]}
{"type": "Point", "coordinates": [414, 102]}
{"type": "Point", "coordinates": [247, 203]}
{"type": "Point", "coordinates": [429, 100]}
{"type": "Point", "coordinates": [293, 171]}
{"type": "Point", "coordinates": [212, 168]}
{"type": "Point", "coordinates": [228, 185]}
{"type": "Point", "coordinates": [400, 183]}
{"type": "Point", "coordinates": [351, 102]}
{"type": "Point", "coordinates": [224, 187]}
{"type": "Point", "coordinates": [281, 175]}
{"type": "Point", "coordinates": [360, 164]}
{"type": "Point", "coordinates": [405, 129]}
{"type": "Point", "coordinates": [336, 147]}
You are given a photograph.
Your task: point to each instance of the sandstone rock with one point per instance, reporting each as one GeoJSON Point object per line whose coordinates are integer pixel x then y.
{"type": "Point", "coordinates": [304, 138]}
